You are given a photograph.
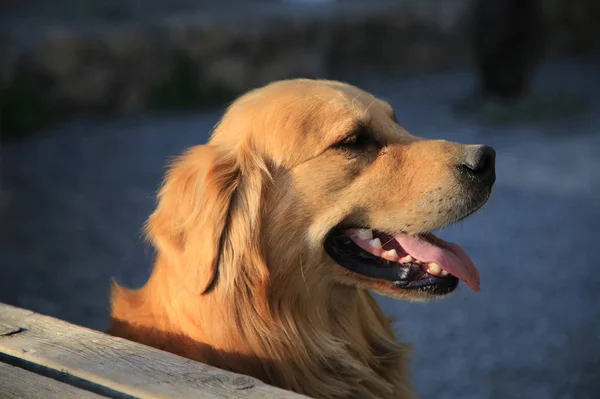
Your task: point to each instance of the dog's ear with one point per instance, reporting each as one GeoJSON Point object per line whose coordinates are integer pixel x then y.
{"type": "Point", "coordinates": [207, 222]}
{"type": "Point", "coordinates": [189, 223]}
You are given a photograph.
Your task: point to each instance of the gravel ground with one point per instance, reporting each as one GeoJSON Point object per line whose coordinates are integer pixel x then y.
{"type": "Point", "coordinates": [74, 200]}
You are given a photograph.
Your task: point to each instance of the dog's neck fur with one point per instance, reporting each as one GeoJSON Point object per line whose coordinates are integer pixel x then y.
{"type": "Point", "coordinates": [344, 348]}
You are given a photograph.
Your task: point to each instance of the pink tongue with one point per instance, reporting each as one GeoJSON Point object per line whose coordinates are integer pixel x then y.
{"type": "Point", "coordinates": [449, 256]}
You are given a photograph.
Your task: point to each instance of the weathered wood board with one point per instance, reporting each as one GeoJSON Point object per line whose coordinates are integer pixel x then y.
{"type": "Point", "coordinates": [113, 367]}
{"type": "Point", "coordinates": [17, 383]}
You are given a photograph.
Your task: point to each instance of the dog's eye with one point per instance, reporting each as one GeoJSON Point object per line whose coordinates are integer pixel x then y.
{"type": "Point", "coordinates": [358, 140]}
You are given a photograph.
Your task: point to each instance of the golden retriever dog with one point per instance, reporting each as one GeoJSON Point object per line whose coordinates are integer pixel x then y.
{"type": "Point", "coordinates": [269, 239]}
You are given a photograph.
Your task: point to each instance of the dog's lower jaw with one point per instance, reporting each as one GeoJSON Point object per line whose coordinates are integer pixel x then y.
{"type": "Point", "coordinates": [355, 355]}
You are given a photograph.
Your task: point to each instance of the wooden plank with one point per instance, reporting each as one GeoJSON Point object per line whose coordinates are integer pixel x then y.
{"type": "Point", "coordinates": [17, 383]}
{"type": "Point", "coordinates": [116, 367]}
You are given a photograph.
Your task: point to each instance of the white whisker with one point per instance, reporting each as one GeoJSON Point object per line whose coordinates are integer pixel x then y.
{"type": "Point", "coordinates": [372, 102]}
{"type": "Point", "coordinates": [304, 278]}
{"type": "Point", "coordinates": [355, 98]}
{"type": "Point", "coordinates": [387, 242]}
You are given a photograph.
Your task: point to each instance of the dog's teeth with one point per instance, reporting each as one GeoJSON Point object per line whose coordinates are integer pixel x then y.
{"type": "Point", "coordinates": [407, 259]}
{"type": "Point", "coordinates": [390, 255]}
{"type": "Point", "coordinates": [434, 268]}
{"type": "Point", "coordinates": [375, 243]}
{"type": "Point", "coordinates": [364, 234]}
{"type": "Point", "coordinates": [444, 272]}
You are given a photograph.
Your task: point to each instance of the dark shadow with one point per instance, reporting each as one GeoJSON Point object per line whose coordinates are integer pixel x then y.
{"type": "Point", "coordinates": [181, 345]}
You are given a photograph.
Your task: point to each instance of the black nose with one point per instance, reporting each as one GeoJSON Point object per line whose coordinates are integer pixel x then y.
{"type": "Point", "coordinates": [480, 162]}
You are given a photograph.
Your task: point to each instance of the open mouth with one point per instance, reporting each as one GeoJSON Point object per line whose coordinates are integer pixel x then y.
{"type": "Point", "coordinates": [422, 262]}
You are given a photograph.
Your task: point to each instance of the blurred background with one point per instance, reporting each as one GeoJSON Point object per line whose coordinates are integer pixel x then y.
{"type": "Point", "coordinates": [96, 95]}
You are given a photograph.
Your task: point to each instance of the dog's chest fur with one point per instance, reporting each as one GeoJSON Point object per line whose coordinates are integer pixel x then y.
{"type": "Point", "coordinates": [356, 356]}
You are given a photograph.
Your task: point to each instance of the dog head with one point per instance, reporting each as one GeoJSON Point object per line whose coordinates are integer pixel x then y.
{"type": "Point", "coordinates": [306, 185]}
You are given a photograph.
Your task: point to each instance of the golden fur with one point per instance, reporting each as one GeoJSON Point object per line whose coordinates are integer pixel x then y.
{"type": "Point", "coordinates": [241, 280]}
